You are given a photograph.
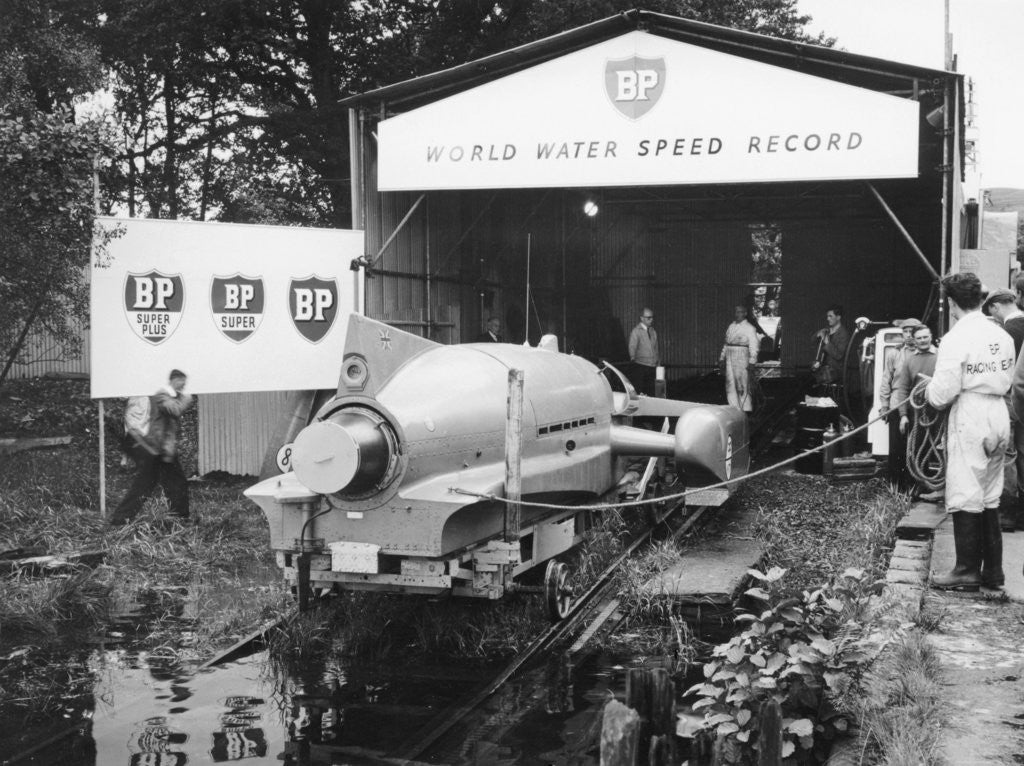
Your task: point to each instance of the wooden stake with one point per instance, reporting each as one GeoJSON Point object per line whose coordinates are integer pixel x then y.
{"type": "Point", "coordinates": [620, 730]}
{"type": "Point", "coordinates": [103, 461]}
{"type": "Point", "coordinates": [514, 455]}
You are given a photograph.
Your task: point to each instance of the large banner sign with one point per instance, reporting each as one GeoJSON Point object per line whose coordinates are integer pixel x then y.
{"type": "Point", "coordinates": [237, 307]}
{"type": "Point", "coordinates": [645, 110]}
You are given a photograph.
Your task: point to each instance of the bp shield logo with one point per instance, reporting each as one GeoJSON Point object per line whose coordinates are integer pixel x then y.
{"type": "Point", "coordinates": [313, 305]}
{"type": "Point", "coordinates": [153, 303]}
{"type": "Point", "coordinates": [634, 85]}
{"type": "Point", "coordinates": [237, 304]}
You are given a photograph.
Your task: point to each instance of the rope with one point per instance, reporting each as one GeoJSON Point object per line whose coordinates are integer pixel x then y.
{"type": "Point", "coordinates": [926, 453]}
{"type": "Point", "coordinates": [679, 495]}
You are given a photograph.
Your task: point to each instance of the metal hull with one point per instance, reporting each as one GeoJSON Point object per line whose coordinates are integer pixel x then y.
{"type": "Point", "coordinates": [395, 484]}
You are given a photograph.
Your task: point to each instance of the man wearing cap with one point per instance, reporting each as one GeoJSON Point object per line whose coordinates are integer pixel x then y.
{"type": "Point", "coordinates": [160, 465]}
{"type": "Point", "coordinates": [893, 362]}
{"type": "Point", "coordinates": [1001, 305]}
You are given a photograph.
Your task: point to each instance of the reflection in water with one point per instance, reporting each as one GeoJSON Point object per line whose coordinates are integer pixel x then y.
{"type": "Point", "coordinates": [150, 711]}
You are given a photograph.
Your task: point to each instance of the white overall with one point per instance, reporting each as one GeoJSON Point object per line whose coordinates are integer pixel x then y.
{"type": "Point", "coordinates": [973, 372]}
{"type": "Point", "coordinates": [740, 351]}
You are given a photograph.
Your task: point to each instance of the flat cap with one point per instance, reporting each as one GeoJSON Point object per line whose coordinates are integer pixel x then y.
{"type": "Point", "coordinates": [901, 323]}
{"type": "Point", "coordinates": [1000, 295]}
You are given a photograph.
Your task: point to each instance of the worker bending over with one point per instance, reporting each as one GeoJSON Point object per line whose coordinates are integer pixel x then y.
{"type": "Point", "coordinates": [972, 375]}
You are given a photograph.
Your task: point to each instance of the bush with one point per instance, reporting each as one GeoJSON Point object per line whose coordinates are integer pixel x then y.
{"type": "Point", "coordinates": [802, 652]}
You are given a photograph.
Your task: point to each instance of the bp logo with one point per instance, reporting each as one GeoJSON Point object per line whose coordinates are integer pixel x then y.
{"type": "Point", "coordinates": [237, 304]}
{"type": "Point", "coordinates": [153, 303]}
{"type": "Point", "coordinates": [634, 85]}
{"type": "Point", "coordinates": [313, 305]}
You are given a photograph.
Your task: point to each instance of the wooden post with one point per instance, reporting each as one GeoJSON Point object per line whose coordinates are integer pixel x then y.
{"type": "Point", "coordinates": [651, 693]}
{"type": "Point", "coordinates": [620, 730]}
{"type": "Point", "coordinates": [514, 455]}
{"type": "Point", "coordinates": [103, 461]}
{"type": "Point", "coordinates": [769, 740]}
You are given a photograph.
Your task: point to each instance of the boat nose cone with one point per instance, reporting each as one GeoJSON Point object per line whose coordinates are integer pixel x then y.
{"type": "Point", "coordinates": [325, 457]}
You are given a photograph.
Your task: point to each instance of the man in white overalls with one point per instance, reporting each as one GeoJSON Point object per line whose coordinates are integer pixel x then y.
{"type": "Point", "coordinates": [972, 375]}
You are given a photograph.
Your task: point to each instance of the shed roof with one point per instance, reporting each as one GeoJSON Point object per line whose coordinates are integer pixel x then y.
{"type": "Point", "coordinates": [865, 71]}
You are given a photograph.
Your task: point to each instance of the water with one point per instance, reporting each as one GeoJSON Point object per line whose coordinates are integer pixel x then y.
{"type": "Point", "coordinates": [148, 712]}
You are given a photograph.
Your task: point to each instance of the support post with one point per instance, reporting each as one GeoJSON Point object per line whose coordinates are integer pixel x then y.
{"type": "Point", "coordinates": [514, 455]}
{"type": "Point", "coordinates": [103, 460]}
{"type": "Point", "coordinates": [620, 730]}
{"type": "Point", "coordinates": [769, 751]}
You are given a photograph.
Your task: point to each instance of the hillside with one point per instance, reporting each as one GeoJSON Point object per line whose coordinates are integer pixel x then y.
{"type": "Point", "coordinates": [1006, 200]}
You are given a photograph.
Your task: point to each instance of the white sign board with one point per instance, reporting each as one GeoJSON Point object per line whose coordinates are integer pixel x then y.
{"type": "Point", "coordinates": [645, 110]}
{"type": "Point", "coordinates": [236, 307]}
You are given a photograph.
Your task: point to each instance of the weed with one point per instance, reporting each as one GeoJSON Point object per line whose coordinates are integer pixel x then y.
{"type": "Point", "coordinates": [793, 653]}
{"type": "Point", "coordinates": [900, 708]}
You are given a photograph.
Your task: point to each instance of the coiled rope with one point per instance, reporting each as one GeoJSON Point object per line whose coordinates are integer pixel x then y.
{"type": "Point", "coordinates": [926, 450]}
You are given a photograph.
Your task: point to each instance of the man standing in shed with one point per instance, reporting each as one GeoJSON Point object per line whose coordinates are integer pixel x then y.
{"type": "Point", "coordinates": [643, 353]}
{"type": "Point", "coordinates": [972, 375]}
{"type": "Point", "coordinates": [493, 332]}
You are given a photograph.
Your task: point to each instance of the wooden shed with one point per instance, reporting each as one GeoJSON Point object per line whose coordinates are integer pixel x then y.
{"type": "Point", "coordinates": [787, 174]}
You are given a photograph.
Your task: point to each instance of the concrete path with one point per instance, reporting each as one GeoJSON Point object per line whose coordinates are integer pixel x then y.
{"type": "Point", "coordinates": [981, 644]}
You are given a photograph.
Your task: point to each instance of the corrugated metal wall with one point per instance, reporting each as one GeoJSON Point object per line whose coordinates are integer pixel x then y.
{"type": "Point", "coordinates": [589, 278]}
{"type": "Point", "coordinates": [44, 354]}
{"type": "Point", "coordinates": [235, 429]}
{"type": "Point", "coordinates": [863, 265]}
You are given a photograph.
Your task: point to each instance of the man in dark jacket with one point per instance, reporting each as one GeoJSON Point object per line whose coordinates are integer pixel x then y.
{"type": "Point", "coordinates": [493, 332]}
{"type": "Point", "coordinates": [162, 467]}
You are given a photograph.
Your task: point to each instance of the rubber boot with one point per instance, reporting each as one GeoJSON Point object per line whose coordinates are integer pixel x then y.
{"type": "Point", "coordinates": [968, 535]}
{"type": "Point", "coordinates": [1008, 513]}
{"type": "Point", "coordinates": [992, 550]}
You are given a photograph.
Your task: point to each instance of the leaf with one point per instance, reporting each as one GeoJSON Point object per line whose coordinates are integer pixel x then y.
{"type": "Point", "coordinates": [743, 716]}
{"type": "Point", "coordinates": [854, 573]}
{"type": "Point", "coordinates": [727, 728]}
{"type": "Point", "coordinates": [758, 593]}
{"type": "Point", "coordinates": [703, 702]}
{"type": "Point", "coordinates": [743, 736]}
{"type": "Point", "coordinates": [788, 748]}
{"type": "Point", "coordinates": [757, 660]}
{"type": "Point", "coordinates": [710, 669]}
{"type": "Point", "coordinates": [765, 682]}
{"type": "Point", "coordinates": [824, 646]}
{"type": "Point", "coordinates": [735, 655]}
{"type": "Point", "coordinates": [774, 662]}
{"type": "Point", "coordinates": [757, 575]}
{"type": "Point", "coordinates": [719, 718]}
{"type": "Point", "coordinates": [705, 690]}
{"type": "Point", "coordinates": [776, 573]}
{"type": "Point", "coordinates": [802, 727]}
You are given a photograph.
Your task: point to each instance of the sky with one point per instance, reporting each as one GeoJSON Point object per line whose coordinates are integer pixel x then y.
{"type": "Point", "coordinates": [988, 41]}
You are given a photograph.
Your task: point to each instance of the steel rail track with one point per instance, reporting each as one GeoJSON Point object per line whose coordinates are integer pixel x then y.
{"type": "Point", "coordinates": [585, 605]}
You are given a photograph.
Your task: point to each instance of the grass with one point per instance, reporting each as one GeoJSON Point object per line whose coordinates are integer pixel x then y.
{"type": "Point", "coordinates": [376, 626]}
{"type": "Point", "coordinates": [900, 708]}
{"type": "Point", "coordinates": [184, 593]}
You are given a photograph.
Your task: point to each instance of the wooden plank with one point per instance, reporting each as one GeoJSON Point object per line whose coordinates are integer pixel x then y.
{"type": "Point", "coordinates": [714, 574]}
{"type": "Point", "coordinates": [8, 446]}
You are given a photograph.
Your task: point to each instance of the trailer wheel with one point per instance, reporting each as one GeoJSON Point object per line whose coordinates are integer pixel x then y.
{"type": "Point", "coordinates": [558, 594]}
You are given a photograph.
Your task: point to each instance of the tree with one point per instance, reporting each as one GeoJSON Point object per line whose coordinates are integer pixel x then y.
{"type": "Point", "coordinates": [229, 107]}
{"type": "Point", "coordinates": [46, 161]}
